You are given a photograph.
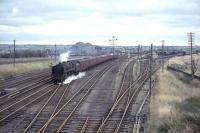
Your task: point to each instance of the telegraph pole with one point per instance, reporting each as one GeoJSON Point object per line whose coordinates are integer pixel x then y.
{"type": "Point", "coordinates": [116, 44]}
{"type": "Point", "coordinates": [163, 42]}
{"type": "Point", "coordinates": [113, 43]}
{"type": "Point", "coordinates": [138, 51]}
{"type": "Point", "coordinates": [150, 69]}
{"type": "Point", "coordinates": [191, 41]}
{"type": "Point", "coordinates": [141, 51]}
{"type": "Point", "coordinates": [55, 53]}
{"type": "Point", "coordinates": [10, 52]}
{"type": "Point", "coordinates": [14, 55]}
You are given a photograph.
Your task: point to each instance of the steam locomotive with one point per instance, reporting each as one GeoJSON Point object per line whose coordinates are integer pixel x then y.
{"type": "Point", "coordinates": [62, 70]}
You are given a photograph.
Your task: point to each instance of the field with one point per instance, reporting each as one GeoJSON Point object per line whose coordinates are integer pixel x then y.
{"type": "Point", "coordinates": [10, 70]}
{"type": "Point", "coordinates": [175, 102]}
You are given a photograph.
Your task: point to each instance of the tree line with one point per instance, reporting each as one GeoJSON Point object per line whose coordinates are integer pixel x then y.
{"type": "Point", "coordinates": [25, 53]}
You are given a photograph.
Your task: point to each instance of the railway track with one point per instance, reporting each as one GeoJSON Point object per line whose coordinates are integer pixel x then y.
{"type": "Point", "coordinates": [8, 113]}
{"type": "Point", "coordinates": [46, 117]}
{"type": "Point", "coordinates": [86, 123]}
{"type": "Point", "coordinates": [59, 106]}
{"type": "Point", "coordinates": [139, 116]}
{"type": "Point", "coordinates": [20, 80]}
{"type": "Point", "coordinates": [91, 124]}
{"type": "Point", "coordinates": [22, 92]}
{"type": "Point", "coordinates": [116, 114]}
{"type": "Point", "coordinates": [15, 104]}
{"type": "Point", "coordinates": [56, 123]}
{"type": "Point", "coordinates": [127, 78]}
{"type": "Point", "coordinates": [24, 75]}
{"type": "Point", "coordinates": [54, 100]}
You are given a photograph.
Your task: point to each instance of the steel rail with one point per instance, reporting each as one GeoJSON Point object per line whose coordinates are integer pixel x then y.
{"type": "Point", "coordinates": [84, 126]}
{"type": "Point", "coordinates": [34, 119]}
{"type": "Point", "coordinates": [79, 91]}
{"type": "Point", "coordinates": [16, 82]}
{"type": "Point", "coordinates": [129, 102]}
{"type": "Point", "coordinates": [119, 99]}
{"type": "Point", "coordinates": [138, 119]}
{"type": "Point", "coordinates": [26, 105]}
{"type": "Point", "coordinates": [133, 95]}
{"type": "Point", "coordinates": [88, 91]}
{"type": "Point", "coordinates": [51, 118]}
{"type": "Point", "coordinates": [54, 111]}
{"type": "Point", "coordinates": [24, 98]}
{"type": "Point", "coordinates": [24, 88]}
{"type": "Point", "coordinates": [123, 80]}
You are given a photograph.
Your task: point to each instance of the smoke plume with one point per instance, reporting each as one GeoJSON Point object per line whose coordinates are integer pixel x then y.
{"type": "Point", "coordinates": [74, 77]}
{"type": "Point", "coordinates": [64, 56]}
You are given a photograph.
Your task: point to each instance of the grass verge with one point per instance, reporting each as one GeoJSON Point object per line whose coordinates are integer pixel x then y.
{"type": "Point", "coordinates": [10, 70]}
{"type": "Point", "coordinates": [175, 104]}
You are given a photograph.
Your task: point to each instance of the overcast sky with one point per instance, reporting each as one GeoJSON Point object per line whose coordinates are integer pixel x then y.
{"type": "Point", "coordinates": [133, 22]}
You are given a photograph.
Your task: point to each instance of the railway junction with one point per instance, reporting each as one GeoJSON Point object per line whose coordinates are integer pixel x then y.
{"type": "Point", "coordinates": [112, 97]}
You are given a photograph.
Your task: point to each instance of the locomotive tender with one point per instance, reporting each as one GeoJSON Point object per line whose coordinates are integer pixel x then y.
{"type": "Point", "coordinates": [62, 70]}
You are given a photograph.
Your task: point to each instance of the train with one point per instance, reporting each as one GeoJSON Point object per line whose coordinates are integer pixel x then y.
{"type": "Point", "coordinates": [64, 69]}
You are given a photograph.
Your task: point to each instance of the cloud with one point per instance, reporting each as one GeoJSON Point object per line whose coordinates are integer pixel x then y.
{"type": "Point", "coordinates": [133, 21]}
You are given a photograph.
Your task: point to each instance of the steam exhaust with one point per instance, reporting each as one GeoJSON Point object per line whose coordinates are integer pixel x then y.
{"type": "Point", "coordinates": [74, 77]}
{"type": "Point", "coordinates": [64, 56]}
